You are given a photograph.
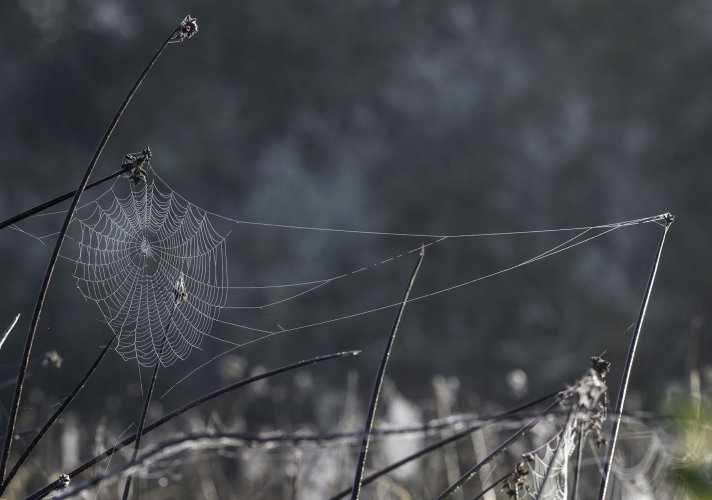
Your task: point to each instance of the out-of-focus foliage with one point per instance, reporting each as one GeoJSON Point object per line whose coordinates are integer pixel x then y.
{"type": "Point", "coordinates": [419, 116]}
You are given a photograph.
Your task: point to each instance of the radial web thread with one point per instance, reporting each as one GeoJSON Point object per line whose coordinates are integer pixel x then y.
{"type": "Point", "coordinates": [155, 265]}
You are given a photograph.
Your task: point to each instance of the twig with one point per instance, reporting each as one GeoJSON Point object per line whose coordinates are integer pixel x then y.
{"type": "Point", "coordinates": [503, 446]}
{"type": "Point", "coordinates": [58, 412]}
{"type": "Point", "coordinates": [623, 389]}
{"type": "Point", "coordinates": [7, 331]}
{"type": "Point", "coordinates": [109, 452]}
{"type": "Point", "coordinates": [146, 403]}
{"type": "Point", "coordinates": [59, 199]}
{"type": "Point", "coordinates": [55, 255]}
{"type": "Point", "coordinates": [358, 476]}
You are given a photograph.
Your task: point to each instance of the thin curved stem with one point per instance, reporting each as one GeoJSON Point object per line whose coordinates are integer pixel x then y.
{"type": "Point", "coordinates": [144, 410]}
{"type": "Point", "coordinates": [59, 199]}
{"type": "Point", "coordinates": [361, 464]}
{"type": "Point", "coordinates": [623, 389]}
{"type": "Point", "coordinates": [32, 331]}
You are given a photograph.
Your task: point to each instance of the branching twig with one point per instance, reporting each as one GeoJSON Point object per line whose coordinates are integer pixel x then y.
{"type": "Point", "coordinates": [623, 389]}
{"type": "Point", "coordinates": [361, 463]}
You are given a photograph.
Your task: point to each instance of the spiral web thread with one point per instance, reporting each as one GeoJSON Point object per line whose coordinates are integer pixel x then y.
{"type": "Point", "coordinates": [154, 265]}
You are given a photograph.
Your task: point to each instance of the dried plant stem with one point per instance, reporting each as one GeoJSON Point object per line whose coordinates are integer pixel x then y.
{"type": "Point", "coordinates": [59, 199]}
{"type": "Point", "coordinates": [7, 331]}
{"type": "Point", "coordinates": [53, 260]}
{"type": "Point", "coordinates": [444, 442]}
{"type": "Point", "coordinates": [623, 389]}
{"type": "Point", "coordinates": [503, 446]}
{"type": "Point", "coordinates": [577, 471]}
{"type": "Point", "coordinates": [361, 463]}
{"type": "Point", "coordinates": [555, 455]}
{"type": "Point", "coordinates": [146, 404]}
{"type": "Point", "coordinates": [150, 427]}
{"type": "Point", "coordinates": [58, 412]}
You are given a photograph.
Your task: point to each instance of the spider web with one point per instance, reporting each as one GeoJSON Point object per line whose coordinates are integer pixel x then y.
{"type": "Point", "coordinates": [156, 267]}
{"type": "Point", "coordinates": [138, 250]}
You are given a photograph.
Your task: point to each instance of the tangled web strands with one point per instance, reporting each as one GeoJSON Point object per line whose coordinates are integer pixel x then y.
{"type": "Point", "coordinates": [155, 266]}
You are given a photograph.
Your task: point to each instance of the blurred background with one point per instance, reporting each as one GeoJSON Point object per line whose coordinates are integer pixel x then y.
{"type": "Point", "coordinates": [409, 117]}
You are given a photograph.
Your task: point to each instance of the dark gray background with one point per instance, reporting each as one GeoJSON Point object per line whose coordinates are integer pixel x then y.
{"type": "Point", "coordinates": [426, 117]}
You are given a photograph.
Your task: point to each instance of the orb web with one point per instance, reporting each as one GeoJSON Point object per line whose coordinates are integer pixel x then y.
{"type": "Point", "coordinates": [156, 267]}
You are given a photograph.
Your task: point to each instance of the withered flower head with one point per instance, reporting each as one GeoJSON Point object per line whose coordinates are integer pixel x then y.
{"type": "Point", "coordinates": [187, 28]}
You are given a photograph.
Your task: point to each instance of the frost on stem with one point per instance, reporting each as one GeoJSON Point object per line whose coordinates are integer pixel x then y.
{"type": "Point", "coordinates": [187, 28]}
{"type": "Point", "coordinates": [589, 397]}
{"type": "Point", "coordinates": [545, 474]}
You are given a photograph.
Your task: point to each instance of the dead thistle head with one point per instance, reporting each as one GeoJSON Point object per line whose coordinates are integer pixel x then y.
{"type": "Point", "coordinates": [186, 29]}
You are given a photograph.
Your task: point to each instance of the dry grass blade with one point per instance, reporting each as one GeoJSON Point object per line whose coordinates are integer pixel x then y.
{"type": "Point", "coordinates": [623, 389]}
{"type": "Point", "coordinates": [7, 331]}
{"type": "Point", "coordinates": [361, 463]}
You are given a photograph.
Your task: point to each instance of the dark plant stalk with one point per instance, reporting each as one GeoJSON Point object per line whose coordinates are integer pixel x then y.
{"type": "Point", "coordinates": [361, 463]}
{"type": "Point", "coordinates": [59, 199]}
{"type": "Point", "coordinates": [146, 403]}
{"type": "Point", "coordinates": [110, 451]}
{"type": "Point", "coordinates": [623, 389]}
{"type": "Point", "coordinates": [55, 255]}
{"type": "Point", "coordinates": [503, 446]}
{"type": "Point", "coordinates": [58, 412]}
{"type": "Point", "coordinates": [443, 442]}
{"type": "Point", "coordinates": [577, 471]}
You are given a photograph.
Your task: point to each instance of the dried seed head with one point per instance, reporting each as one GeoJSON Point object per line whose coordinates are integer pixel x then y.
{"type": "Point", "coordinates": [63, 480]}
{"type": "Point", "coordinates": [51, 359]}
{"type": "Point", "coordinates": [186, 29]}
{"type": "Point", "coordinates": [600, 365]}
{"type": "Point", "coordinates": [136, 164]}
